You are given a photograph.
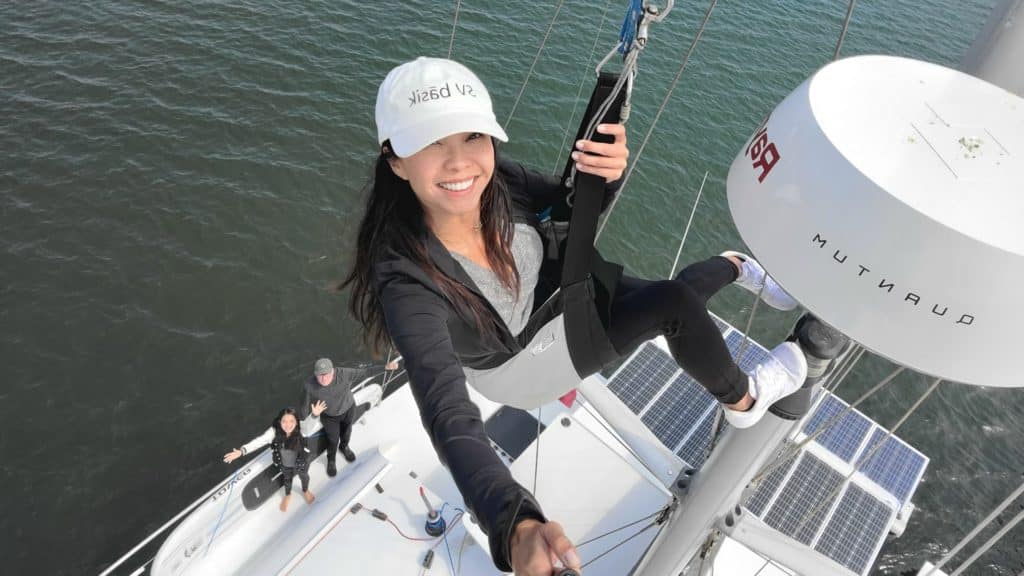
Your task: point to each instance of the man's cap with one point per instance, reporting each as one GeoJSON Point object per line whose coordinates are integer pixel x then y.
{"type": "Point", "coordinates": [323, 366]}
{"type": "Point", "coordinates": [427, 99]}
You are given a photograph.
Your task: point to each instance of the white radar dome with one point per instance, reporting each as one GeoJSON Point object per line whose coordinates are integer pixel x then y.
{"type": "Point", "coordinates": [887, 196]}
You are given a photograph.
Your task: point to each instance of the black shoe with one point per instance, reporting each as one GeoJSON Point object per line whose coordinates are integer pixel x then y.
{"type": "Point", "coordinates": [332, 470]}
{"type": "Point", "coordinates": [349, 454]}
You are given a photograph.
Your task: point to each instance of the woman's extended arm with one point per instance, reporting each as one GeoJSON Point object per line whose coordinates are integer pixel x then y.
{"type": "Point", "coordinates": [417, 323]}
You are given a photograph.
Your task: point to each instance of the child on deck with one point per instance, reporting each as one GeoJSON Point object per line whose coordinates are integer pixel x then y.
{"type": "Point", "coordinates": [291, 453]}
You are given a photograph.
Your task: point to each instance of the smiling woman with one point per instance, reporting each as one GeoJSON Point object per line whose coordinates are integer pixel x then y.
{"type": "Point", "coordinates": [454, 266]}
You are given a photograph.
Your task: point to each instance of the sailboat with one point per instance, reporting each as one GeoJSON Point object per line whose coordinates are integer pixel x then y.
{"type": "Point", "coordinates": [890, 186]}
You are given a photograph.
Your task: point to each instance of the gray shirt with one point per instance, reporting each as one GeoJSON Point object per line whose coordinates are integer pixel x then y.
{"type": "Point", "coordinates": [288, 457]}
{"type": "Point", "coordinates": [514, 309]}
{"type": "Point", "coordinates": [337, 394]}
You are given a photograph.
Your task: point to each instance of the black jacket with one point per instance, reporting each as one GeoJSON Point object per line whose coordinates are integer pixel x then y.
{"type": "Point", "coordinates": [301, 459]}
{"type": "Point", "coordinates": [436, 341]}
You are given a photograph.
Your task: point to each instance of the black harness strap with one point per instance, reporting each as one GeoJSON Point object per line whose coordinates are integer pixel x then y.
{"type": "Point", "coordinates": [588, 281]}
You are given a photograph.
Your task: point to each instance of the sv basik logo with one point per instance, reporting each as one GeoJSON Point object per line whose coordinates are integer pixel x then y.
{"type": "Point", "coordinates": [438, 93]}
{"type": "Point", "coordinates": [762, 151]}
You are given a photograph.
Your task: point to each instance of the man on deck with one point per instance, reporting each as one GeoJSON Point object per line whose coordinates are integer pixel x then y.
{"type": "Point", "coordinates": [333, 385]}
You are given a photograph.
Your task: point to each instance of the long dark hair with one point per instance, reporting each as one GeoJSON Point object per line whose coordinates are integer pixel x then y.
{"type": "Point", "coordinates": [394, 219]}
{"type": "Point", "coordinates": [293, 441]}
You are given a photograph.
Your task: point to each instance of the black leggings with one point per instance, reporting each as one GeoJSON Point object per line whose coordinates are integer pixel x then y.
{"type": "Point", "coordinates": [288, 473]}
{"type": "Point", "coordinates": [677, 309]}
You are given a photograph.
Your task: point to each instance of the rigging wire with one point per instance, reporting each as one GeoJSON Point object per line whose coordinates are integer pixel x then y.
{"type": "Point", "coordinates": [455, 25]}
{"type": "Point", "coordinates": [610, 550]}
{"type": "Point", "coordinates": [579, 90]}
{"type": "Point", "coordinates": [850, 361]}
{"type": "Point", "coordinates": [750, 321]}
{"type": "Point", "coordinates": [977, 529]}
{"type": "Point", "coordinates": [989, 543]}
{"type": "Point", "coordinates": [686, 232]}
{"type": "Point", "coordinates": [827, 501]}
{"type": "Point", "coordinates": [623, 527]}
{"type": "Point", "coordinates": [534, 65]}
{"type": "Point", "coordinates": [842, 34]}
{"type": "Point", "coordinates": [650, 130]}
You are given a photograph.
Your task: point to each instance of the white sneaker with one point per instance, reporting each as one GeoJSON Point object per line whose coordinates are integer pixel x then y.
{"type": "Point", "coordinates": [777, 377]}
{"type": "Point", "coordinates": [752, 276]}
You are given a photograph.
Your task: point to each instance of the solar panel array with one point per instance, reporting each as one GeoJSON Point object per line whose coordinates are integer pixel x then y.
{"type": "Point", "coordinates": [889, 462]}
{"type": "Point", "coordinates": [851, 526]}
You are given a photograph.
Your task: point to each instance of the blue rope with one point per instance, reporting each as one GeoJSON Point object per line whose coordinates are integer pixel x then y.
{"type": "Point", "coordinates": [628, 32]}
{"type": "Point", "coordinates": [445, 535]}
{"type": "Point", "coordinates": [222, 511]}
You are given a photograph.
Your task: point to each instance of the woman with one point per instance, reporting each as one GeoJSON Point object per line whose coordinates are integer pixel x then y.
{"type": "Point", "coordinates": [291, 454]}
{"type": "Point", "coordinates": [452, 261]}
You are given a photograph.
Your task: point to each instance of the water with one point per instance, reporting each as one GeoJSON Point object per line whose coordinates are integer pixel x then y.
{"type": "Point", "coordinates": [179, 185]}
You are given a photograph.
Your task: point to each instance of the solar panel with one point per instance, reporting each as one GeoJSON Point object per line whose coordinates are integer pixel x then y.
{"type": "Point", "coordinates": [843, 437]}
{"type": "Point", "coordinates": [694, 450]}
{"type": "Point", "coordinates": [639, 380]}
{"type": "Point", "coordinates": [759, 501]}
{"type": "Point", "coordinates": [753, 354]}
{"type": "Point", "coordinates": [855, 533]}
{"type": "Point", "coordinates": [811, 483]}
{"type": "Point", "coordinates": [678, 410]}
{"type": "Point", "coordinates": [895, 466]}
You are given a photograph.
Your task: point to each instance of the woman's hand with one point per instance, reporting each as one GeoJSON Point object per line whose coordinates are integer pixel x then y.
{"type": "Point", "coordinates": [607, 160]}
{"type": "Point", "coordinates": [232, 456]}
{"type": "Point", "coordinates": [318, 408]}
{"type": "Point", "coordinates": [538, 548]}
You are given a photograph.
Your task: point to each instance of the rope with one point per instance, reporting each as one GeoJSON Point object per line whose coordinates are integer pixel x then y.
{"type": "Point", "coordinates": [977, 529]}
{"type": "Point", "coordinates": [455, 24]}
{"type": "Point", "coordinates": [989, 543]}
{"type": "Point", "coordinates": [864, 460]}
{"type": "Point", "coordinates": [686, 232]}
{"type": "Point", "coordinates": [166, 525]}
{"type": "Point", "coordinates": [846, 24]}
{"type": "Point", "coordinates": [216, 526]}
{"type": "Point", "coordinates": [650, 130]}
{"type": "Point", "coordinates": [532, 66]}
{"type": "Point", "coordinates": [627, 34]}
{"type": "Point", "coordinates": [462, 548]}
{"type": "Point", "coordinates": [579, 90]}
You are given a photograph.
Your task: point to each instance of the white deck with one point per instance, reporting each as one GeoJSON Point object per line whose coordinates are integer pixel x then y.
{"type": "Point", "coordinates": [587, 481]}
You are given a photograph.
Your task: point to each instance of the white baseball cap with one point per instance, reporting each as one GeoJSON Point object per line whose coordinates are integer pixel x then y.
{"type": "Point", "coordinates": [427, 99]}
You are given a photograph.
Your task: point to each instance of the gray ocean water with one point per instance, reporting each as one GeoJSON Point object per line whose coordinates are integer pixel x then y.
{"type": "Point", "coordinates": [179, 187]}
